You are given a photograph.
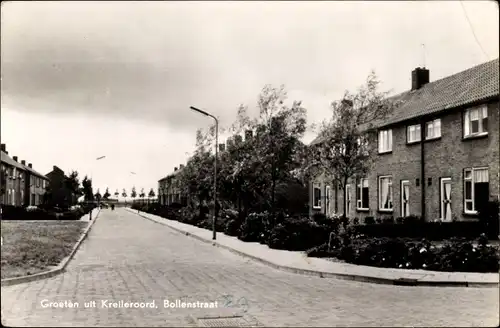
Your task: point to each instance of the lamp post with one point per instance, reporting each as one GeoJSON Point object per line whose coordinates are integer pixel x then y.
{"type": "Point", "coordinates": [92, 181]}
{"type": "Point", "coordinates": [215, 164]}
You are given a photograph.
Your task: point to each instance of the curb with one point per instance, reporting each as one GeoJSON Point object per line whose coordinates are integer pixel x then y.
{"type": "Point", "coordinates": [342, 276]}
{"type": "Point", "coordinates": [59, 268]}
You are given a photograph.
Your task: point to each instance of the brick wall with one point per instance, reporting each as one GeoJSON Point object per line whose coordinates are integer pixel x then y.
{"type": "Point", "coordinates": [445, 157]}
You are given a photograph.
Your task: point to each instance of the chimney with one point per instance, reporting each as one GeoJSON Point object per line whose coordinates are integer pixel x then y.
{"type": "Point", "coordinates": [14, 158]}
{"type": "Point", "coordinates": [30, 165]}
{"type": "Point", "coordinates": [222, 147]}
{"type": "Point", "coordinates": [175, 169]}
{"type": "Point", "coordinates": [23, 162]}
{"type": "Point", "coordinates": [181, 166]}
{"type": "Point", "coordinates": [248, 134]}
{"type": "Point", "coordinates": [419, 78]}
{"type": "Point", "coordinates": [3, 148]}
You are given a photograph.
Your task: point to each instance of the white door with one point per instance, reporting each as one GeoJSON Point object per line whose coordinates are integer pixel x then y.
{"type": "Point", "coordinates": [405, 198]}
{"type": "Point", "coordinates": [347, 199]}
{"type": "Point", "coordinates": [327, 200]}
{"type": "Point", "coordinates": [446, 199]}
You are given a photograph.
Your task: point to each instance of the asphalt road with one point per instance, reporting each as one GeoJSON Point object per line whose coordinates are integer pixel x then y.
{"type": "Point", "coordinates": [130, 259]}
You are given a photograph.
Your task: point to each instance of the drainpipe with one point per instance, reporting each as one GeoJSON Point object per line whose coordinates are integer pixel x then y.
{"type": "Point", "coordinates": [422, 168]}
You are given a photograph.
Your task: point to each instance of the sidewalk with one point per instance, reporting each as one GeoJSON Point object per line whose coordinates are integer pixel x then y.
{"type": "Point", "coordinates": [298, 262]}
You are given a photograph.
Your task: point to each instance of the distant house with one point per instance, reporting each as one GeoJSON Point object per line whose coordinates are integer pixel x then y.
{"type": "Point", "coordinates": [438, 153]}
{"type": "Point", "coordinates": [169, 191]}
{"type": "Point", "coordinates": [23, 185]}
{"type": "Point", "coordinates": [58, 191]}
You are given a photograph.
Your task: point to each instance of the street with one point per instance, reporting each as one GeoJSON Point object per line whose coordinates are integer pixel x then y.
{"type": "Point", "coordinates": [127, 258]}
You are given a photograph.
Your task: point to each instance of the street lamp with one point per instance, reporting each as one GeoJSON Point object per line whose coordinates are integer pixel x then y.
{"type": "Point", "coordinates": [215, 165]}
{"type": "Point", "coordinates": [92, 181]}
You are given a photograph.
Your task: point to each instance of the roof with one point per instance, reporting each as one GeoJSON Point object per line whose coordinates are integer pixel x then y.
{"type": "Point", "coordinates": [8, 160]}
{"type": "Point", "coordinates": [476, 84]}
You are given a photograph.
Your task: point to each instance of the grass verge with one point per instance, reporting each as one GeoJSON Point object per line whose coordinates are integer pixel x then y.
{"type": "Point", "coordinates": [31, 247]}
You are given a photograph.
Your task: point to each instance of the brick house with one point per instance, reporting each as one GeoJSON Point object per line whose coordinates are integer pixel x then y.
{"type": "Point", "coordinates": [169, 190]}
{"type": "Point", "coordinates": [438, 153]}
{"type": "Point", "coordinates": [59, 193]}
{"type": "Point", "coordinates": [23, 185]}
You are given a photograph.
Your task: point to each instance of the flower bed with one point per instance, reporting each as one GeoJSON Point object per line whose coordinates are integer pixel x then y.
{"type": "Point", "coordinates": [336, 238]}
{"type": "Point", "coordinates": [458, 255]}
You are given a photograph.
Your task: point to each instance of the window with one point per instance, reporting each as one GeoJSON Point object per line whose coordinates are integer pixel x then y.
{"type": "Point", "coordinates": [413, 132]}
{"type": "Point", "coordinates": [476, 121]}
{"type": "Point", "coordinates": [385, 193]}
{"type": "Point", "coordinates": [433, 129]}
{"type": "Point", "coordinates": [316, 196]}
{"type": "Point", "coordinates": [385, 141]}
{"type": "Point", "coordinates": [476, 189]}
{"type": "Point", "coordinates": [14, 173]}
{"type": "Point", "coordinates": [13, 197]}
{"type": "Point", "coordinates": [362, 194]}
{"type": "Point", "coordinates": [37, 182]}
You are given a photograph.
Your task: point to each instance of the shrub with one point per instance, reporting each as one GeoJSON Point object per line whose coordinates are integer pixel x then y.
{"type": "Point", "coordinates": [232, 227]}
{"type": "Point", "coordinates": [456, 255]}
{"type": "Point", "coordinates": [369, 220]}
{"type": "Point", "coordinates": [388, 220]}
{"type": "Point", "coordinates": [298, 234]}
{"type": "Point", "coordinates": [252, 229]}
{"type": "Point", "coordinates": [399, 220]}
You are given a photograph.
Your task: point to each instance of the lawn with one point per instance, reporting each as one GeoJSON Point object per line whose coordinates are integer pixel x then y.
{"type": "Point", "coordinates": [31, 247]}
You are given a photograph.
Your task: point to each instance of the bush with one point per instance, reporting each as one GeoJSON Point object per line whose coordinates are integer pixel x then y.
{"type": "Point", "coordinates": [369, 220]}
{"type": "Point", "coordinates": [416, 228]}
{"type": "Point", "coordinates": [298, 234]}
{"type": "Point", "coordinates": [252, 229]}
{"type": "Point", "coordinates": [456, 255]}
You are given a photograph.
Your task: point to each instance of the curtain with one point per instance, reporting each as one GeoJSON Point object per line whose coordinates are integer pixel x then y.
{"type": "Point", "coordinates": [385, 192]}
{"type": "Point", "coordinates": [447, 196]}
{"type": "Point", "coordinates": [480, 176]}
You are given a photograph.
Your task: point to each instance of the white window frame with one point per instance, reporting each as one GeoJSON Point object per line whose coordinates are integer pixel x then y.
{"type": "Point", "coordinates": [472, 181]}
{"type": "Point", "coordinates": [435, 127]}
{"type": "Point", "coordinates": [385, 141]}
{"type": "Point", "coordinates": [441, 193]}
{"type": "Point", "coordinates": [327, 199]}
{"type": "Point", "coordinates": [316, 186]}
{"type": "Point", "coordinates": [403, 184]}
{"type": "Point", "coordinates": [482, 112]}
{"type": "Point", "coordinates": [413, 133]}
{"type": "Point", "coordinates": [359, 192]}
{"type": "Point", "coordinates": [391, 194]}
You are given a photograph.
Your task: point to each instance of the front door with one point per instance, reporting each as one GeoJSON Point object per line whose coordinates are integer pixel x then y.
{"type": "Point", "coordinates": [347, 200]}
{"type": "Point", "coordinates": [327, 200]}
{"type": "Point", "coordinates": [446, 214]}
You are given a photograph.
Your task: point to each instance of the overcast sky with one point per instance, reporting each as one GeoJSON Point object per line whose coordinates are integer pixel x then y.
{"type": "Point", "coordinates": [87, 79]}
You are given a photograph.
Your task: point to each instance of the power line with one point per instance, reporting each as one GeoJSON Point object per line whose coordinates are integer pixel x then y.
{"type": "Point", "coordinates": [472, 29]}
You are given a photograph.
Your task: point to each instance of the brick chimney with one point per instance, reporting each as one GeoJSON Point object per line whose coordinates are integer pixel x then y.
{"type": "Point", "coordinates": [14, 158]}
{"type": "Point", "coordinates": [181, 166]}
{"type": "Point", "coordinates": [175, 169]}
{"type": "Point", "coordinates": [23, 162]}
{"type": "Point", "coordinates": [30, 165]}
{"type": "Point", "coordinates": [222, 147]}
{"type": "Point", "coordinates": [419, 78]}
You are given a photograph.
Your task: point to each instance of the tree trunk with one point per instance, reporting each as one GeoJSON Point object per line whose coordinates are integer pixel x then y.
{"type": "Point", "coordinates": [345, 197]}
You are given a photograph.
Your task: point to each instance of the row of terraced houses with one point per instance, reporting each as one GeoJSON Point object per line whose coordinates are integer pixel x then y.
{"type": "Point", "coordinates": [23, 185]}
{"type": "Point", "coordinates": [438, 153]}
